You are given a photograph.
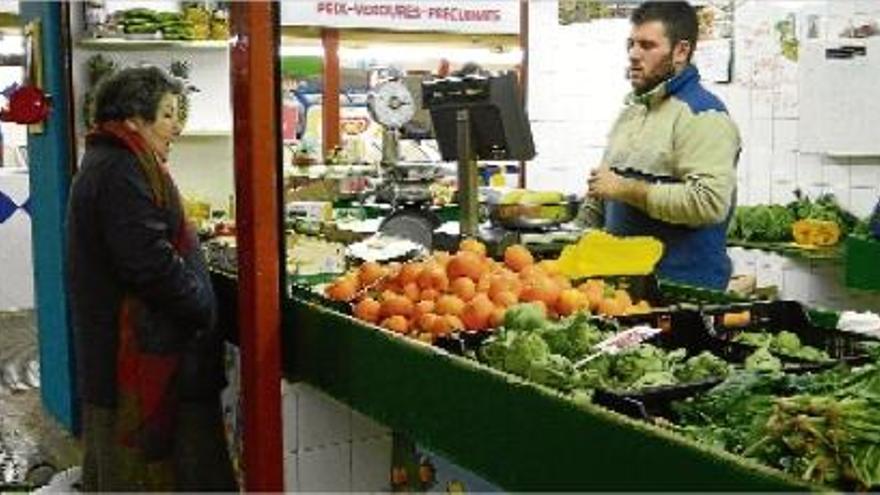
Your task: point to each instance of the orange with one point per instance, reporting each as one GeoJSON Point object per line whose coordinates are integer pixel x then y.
{"type": "Point", "coordinates": [455, 324]}
{"type": "Point", "coordinates": [343, 289]}
{"type": "Point", "coordinates": [440, 325]}
{"type": "Point", "coordinates": [449, 305]}
{"type": "Point", "coordinates": [409, 273]}
{"type": "Point", "coordinates": [429, 295]}
{"type": "Point", "coordinates": [397, 306]}
{"type": "Point", "coordinates": [423, 307]}
{"type": "Point", "coordinates": [466, 264]}
{"type": "Point", "coordinates": [570, 301]}
{"type": "Point", "coordinates": [497, 317]}
{"type": "Point", "coordinates": [473, 246]}
{"type": "Point", "coordinates": [369, 272]}
{"type": "Point", "coordinates": [411, 291]}
{"type": "Point", "coordinates": [517, 257]}
{"type": "Point", "coordinates": [396, 323]}
{"type": "Point", "coordinates": [550, 267]}
{"type": "Point", "coordinates": [504, 298]}
{"type": "Point", "coordinates": [426, 321]}
{"type": "Point", "coordinates": [433, 277]}
{"type": "Point", "coordinates": [464, 288]}
{"type": "Point", "coordinates": [368, 309]}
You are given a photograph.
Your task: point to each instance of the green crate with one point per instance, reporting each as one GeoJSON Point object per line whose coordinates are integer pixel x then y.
{"type": "Point", "coordinates": [684, 293]}
{"type": "Point", "coordinates": [862, 267]}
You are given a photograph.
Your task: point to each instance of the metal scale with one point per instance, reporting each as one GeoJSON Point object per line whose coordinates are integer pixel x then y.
{"type": "Point", "coordinates": [406, 186]}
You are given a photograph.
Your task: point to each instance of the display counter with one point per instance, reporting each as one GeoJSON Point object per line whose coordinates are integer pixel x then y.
{"type": "Point", "coordinates": [519, 435]}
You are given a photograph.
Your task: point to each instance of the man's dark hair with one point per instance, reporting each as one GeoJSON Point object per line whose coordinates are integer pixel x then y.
{"type": "Point", "coordinates": [133, 92]}
{"type": "Point", "coordinates": [679, 20]}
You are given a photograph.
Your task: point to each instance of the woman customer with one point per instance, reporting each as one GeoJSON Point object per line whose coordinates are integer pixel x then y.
{"type": "Point", "coordinates": [149, 361]}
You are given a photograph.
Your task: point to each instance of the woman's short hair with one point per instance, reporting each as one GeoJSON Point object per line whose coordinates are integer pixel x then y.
{"type": "Point", "coordinates": [133, 92]}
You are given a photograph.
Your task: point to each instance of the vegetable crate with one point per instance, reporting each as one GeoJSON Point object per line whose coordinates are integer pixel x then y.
{"type": "Point", "coordinates": [682, 329]}
{"type": "Point", "coordinates": [733, 321]}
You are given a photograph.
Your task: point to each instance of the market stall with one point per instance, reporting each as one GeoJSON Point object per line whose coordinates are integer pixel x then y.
{"type": "Point", "coordinates": [497, 351]}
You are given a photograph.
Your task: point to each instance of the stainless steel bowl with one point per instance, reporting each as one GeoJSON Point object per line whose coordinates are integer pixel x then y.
{"type": "Point", "coordinates": [532, 216]}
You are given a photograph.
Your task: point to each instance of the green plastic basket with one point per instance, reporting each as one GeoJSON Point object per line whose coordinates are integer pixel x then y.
{"type": "Point", "coordinates": [862, 268]}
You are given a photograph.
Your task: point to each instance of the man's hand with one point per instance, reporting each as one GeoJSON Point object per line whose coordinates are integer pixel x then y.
{"type": "Point", "coordinates": [605, 184]}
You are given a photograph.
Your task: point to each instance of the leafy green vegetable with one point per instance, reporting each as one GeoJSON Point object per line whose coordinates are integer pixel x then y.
{"type": "Point", "coordinates": [824, 427]}
{"type": "Point", "coordinates": [524, 350]}
{"type": "Point", "coordinates": [761, 360]}
{"type": "Point", "coordinates": [573, 337]}
{"type": "Point", "coordinates": [703, 366]}
{"type": "Point", "coordinates": [524, 317]}
{"type": "Point", "coordinates": [783, 343]}
{"type": "Point", "coordinates": [761, 223]}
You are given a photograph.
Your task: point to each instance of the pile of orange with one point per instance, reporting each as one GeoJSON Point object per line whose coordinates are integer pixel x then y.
{"type": "Point", "coordinates": [469, 291]}
{"type": "Point", "coordinates": [606, 300]}
{"type": "Point", "coordinates": [447, 292]}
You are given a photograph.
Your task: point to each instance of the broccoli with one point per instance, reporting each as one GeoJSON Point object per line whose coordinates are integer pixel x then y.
{"type": "Point", "coordinates": [495, 348]}
{"type": "Point", "coordinates": [525, 349]}
{"type": "Point", "coordinates": [524, 317]}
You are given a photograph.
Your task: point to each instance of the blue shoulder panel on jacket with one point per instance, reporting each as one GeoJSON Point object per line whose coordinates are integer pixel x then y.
{"type": "Point", "coordinates": [687, 88]}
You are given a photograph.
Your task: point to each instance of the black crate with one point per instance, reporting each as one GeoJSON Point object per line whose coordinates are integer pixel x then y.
{"type": "Point", "coordinates": [687, 329]}
{"type": "Point", "coordinates": [776, 316]}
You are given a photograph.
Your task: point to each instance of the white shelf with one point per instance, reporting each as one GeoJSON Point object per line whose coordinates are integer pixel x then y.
{"type": "Point", "coordinates": [157, 44]}
{"type": "Point", "coordinates": [206, 133]}
{"type": "Point", "coordinates": [318, 171]}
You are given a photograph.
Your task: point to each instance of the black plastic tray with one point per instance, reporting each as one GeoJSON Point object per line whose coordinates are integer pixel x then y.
{"type": "Point", "coordinates": [686, 329]}
{"type": "Point", "coordinates": [776, 316]}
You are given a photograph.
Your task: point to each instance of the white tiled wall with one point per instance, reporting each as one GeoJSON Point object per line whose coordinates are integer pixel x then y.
{"type": "Point", "coordinates": [330, 447]}
{"type": "Point", "coordinates": [576, 89]}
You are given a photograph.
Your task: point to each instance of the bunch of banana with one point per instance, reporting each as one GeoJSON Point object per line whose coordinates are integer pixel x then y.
{"type": "Point", "coordinates": [526, 197]}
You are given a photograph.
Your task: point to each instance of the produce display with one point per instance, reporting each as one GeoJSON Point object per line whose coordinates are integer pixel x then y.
{"type": "Point", "coordinates": [824, 427]}
{"type": "Point", "coordinates": [562, 355]}
{"type": "Point", "coordinates": [195, 23]}
{"type": "Point", "coordinates": [806, 222]}
{"type": "Point", "coordinates": [784, 343]}
{"type": "Point", "coordinates": [754, 391]}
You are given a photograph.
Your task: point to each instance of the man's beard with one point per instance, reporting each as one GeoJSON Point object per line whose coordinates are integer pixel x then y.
{"type": "Point", "coordinates": [667, 69]}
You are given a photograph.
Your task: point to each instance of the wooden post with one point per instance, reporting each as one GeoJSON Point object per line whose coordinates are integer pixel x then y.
{"type": "Point", "coordinates": [524, 70]}
{"type": "Point", "coordinates": [256, 107]}
{"type": "Point", "coordinates": [330, 108]}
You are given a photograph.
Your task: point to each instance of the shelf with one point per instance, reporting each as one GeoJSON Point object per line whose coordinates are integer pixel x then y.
{"type": "Point", "coordinates": [157, 44]}
{"type": "Point", "coordinates": [206, 133]}
{"type": "Point", "coordinates": [328, 171]}
{"type": "Point", "coordinates": [792, 250]}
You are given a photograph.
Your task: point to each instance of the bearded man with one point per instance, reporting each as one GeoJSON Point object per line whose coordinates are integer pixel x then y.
{"type": "Point", "coordinates": [669, 169]}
